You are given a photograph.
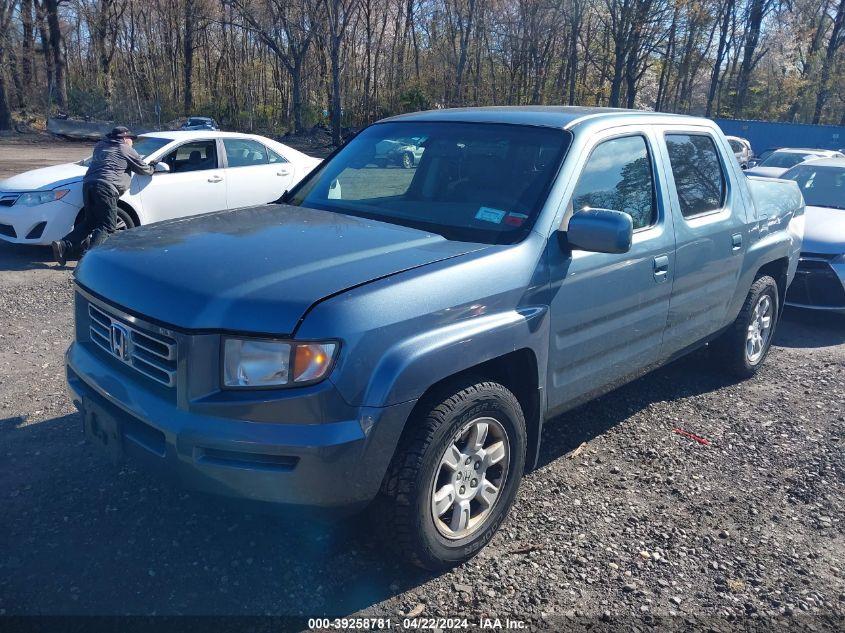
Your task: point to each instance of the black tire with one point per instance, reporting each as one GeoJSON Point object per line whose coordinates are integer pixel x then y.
{"type": "Point", "coordinates": [731, 349]}
{"type": "Point", "coordinates": [406, 507]}
{"type": "Point", "coordinates": [125, 217]}
{"type": "Point", "coordinates": [407, 160]}
{"type": "Point", "coordinates": [122, 216]}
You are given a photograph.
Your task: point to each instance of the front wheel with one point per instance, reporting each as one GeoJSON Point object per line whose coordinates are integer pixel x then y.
{"type": "Point", "coordinates": [124, 220]}
{"type": "Point", "coordinates": [455, 475]}
{"type": "Point", "coordinates": [744, 347]}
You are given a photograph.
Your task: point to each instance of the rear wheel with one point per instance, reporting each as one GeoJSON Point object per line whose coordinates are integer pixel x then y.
{"type": "Point", "coordinates": [454, 478]}
{"type": "Point", "coordinates": [744, 347]}
{"type": "Point", "coordinates": [407, 160]}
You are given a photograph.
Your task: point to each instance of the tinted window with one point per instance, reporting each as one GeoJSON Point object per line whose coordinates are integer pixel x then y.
{"type": "Point", "coordinates": [736, 146]}
{"type": "Point", "coordinates": [698, 174]}
{"type": "Point", "coordinates": [618, 176]}
{"type": "Point", "coordinates": [480, 182]}
{"type": "Point", "coordinates": [243, 152]}
{"type": "Point", "coordinates": [193, 156]}
{"type": "Point", "coordinates": [821, 186]}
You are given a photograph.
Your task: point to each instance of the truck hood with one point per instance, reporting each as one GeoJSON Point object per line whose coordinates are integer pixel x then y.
{"type": "Point", "coordinates": [44, 178]}
{"type": "Point", "coordinates": [252, 270]}
{"type": "Point", "coordinates": [824, 231]}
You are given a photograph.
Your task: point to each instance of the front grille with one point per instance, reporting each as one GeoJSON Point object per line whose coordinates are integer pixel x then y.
{"type": "Point", "coordinates": [151, 354]}
{"type": "Point", "coordinates": [816, 284]}
{"type": "Point", "coordinates": [7, 230]}
{"type": "Point", "coordinates": [8, 199]}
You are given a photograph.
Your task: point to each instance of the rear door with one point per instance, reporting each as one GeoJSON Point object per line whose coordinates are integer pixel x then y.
{"type": "Point", "coordinates": [608, 311]}
{"type": "Point", "coordinates": [710, 231]}
{"type": "Point", "coordinates": [194, 184]}
{"type": "Point", "coordinates": [256, 174]}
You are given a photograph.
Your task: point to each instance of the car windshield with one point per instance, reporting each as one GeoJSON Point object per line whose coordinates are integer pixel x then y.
{"type": "Point", "coordinates": [144, 145]}
{"type": "Point", "coordinates": [199, 121]}
{"type": "Point", "coordinates": [784, 159]}
{"type": "Point", "coordinates": [479, 182]}
{"type": "Point", "coordinates": [821, 186]}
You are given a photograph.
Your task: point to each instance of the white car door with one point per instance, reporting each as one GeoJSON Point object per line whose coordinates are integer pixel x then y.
{"type": "Point", "coordinates": [256, 174]}
{"type": "Point", "coordinates": [194, 184]}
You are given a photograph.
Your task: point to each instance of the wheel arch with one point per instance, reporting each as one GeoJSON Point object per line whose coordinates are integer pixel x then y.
{"type": "Point", "coordinates": [122, 204]}
{"type": "Point", "coordinates": [517, 371]}
{"type": "Point", "coordinates": [777, 269]}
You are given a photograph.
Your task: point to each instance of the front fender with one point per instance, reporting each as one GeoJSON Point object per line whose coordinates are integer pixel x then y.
{"type": "Point", "coordinates": [412, 365]}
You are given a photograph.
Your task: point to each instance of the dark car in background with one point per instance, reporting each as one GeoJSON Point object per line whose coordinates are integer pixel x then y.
{"type": "Point", "coordinates": [820, 279]}
{"type": "Point", "coordinates": [200, 123]}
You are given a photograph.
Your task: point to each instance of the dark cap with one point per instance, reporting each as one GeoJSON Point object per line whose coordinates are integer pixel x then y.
{"type": "Point", "coordinates": [120, 132]}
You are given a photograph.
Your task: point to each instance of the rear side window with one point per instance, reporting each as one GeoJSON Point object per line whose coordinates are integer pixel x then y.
{"type": "Point", "coordinates": [243, 152]}
{"type": "Point", "coordinates": [698, 174]}
{"type": "Point", "coordinates": [618, 176]}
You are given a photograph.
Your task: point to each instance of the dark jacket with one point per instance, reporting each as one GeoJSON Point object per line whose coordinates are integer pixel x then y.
{"type": "Point", "coordinates": [114, 163]}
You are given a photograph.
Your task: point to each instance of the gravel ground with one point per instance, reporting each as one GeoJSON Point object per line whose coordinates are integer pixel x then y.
{"type": "Point", "coordinates": [625, 523]}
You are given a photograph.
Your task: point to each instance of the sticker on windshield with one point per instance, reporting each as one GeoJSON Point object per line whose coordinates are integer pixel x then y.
{"type": "Point", "coordinates": [490, 215]}
{"type": "Point", "coordinates": [515, 219]}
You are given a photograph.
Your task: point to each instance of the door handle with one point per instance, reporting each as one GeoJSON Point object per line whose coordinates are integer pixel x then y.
{"type": "Point", "coordinates": [283, 172]}
{"type": "Point", "coordinates": [661, 268]}
{"type": "Point", "coordinates": [736, 241]}
{"type": "Point", "coordinates": [215, 178]}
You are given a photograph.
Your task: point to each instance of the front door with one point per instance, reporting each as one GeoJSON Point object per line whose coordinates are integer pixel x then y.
{"type": "Point", "coordinates": [608, 311]}
{"type": "Point", "coordinates": [194, 184]}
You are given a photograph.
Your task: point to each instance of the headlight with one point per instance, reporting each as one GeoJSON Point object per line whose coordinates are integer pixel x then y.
{"type": "Point", "coordinates": [41, 197]}
{"type": "Point", "coordinates": [267, 363]}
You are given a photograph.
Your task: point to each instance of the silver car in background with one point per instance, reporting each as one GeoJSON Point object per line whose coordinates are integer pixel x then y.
{"type": "Point", "coordinates": [742, 149]}
{"type": "Point", "coordinates": [820, 280]}
{"type": "Point", "coordinates": [780, 161]}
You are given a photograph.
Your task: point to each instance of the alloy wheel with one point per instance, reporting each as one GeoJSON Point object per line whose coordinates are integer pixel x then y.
{"type": "Point", "coordinates": [470, 478]}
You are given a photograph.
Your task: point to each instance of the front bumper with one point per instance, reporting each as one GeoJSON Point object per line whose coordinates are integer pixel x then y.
{"type": "Point", "coordinates": [334, 466]}
{"type": "Point", "coordinates": [40, 224]}
{"type": "Point", "coordinates": [819, 284]}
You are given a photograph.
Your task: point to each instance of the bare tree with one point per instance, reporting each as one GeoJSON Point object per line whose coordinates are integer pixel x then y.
{"type": "Point", "coordinates": [837, 38]}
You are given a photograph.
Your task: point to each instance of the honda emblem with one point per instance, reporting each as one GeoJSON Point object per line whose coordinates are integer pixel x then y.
{"type": "Point", "coordinates": [120, 341]}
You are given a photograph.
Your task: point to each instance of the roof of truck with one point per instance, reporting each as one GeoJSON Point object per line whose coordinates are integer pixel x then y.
{"type": "Point", "coordinates": [546, 116]}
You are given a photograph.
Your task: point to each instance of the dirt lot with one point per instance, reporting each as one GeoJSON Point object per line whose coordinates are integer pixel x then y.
{"type": "Point", "coordinates": [31, 152]}
{"type": "Point", "coordinates": [638, 524]}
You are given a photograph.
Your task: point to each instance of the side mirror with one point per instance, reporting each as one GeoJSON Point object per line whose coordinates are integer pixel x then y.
{"type": "Point", "coordinates": [161, 168]}
{"type": "Point", "coordinates": [600, 231]}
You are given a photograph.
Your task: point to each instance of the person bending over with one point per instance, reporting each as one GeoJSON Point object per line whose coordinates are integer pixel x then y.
{"type": "Point", "coordinates": [108, 176]}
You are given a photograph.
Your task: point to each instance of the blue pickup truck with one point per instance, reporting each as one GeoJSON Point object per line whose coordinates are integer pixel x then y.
{"type": "Point", "coordinates": [400, 334]}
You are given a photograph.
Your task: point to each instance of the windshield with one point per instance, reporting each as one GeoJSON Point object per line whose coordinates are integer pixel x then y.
{"type": "Point", "coordinates": [144, 145]}
{"type": "Point", "coordinates": [199, 121]}
{"type": "Point", "coordinates": [479, 182]}
{"type": "Point", "coordinates": [784, 159]}
{"type": "Point", "coordinates": [821, 186]}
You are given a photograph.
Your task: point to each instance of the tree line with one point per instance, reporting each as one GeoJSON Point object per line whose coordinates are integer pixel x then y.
{"type": "Point", "coordinates": [290, 64]}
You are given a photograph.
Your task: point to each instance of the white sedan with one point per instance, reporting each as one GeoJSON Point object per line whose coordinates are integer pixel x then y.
{"type": "Point", "coordinates": [197, 172]}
